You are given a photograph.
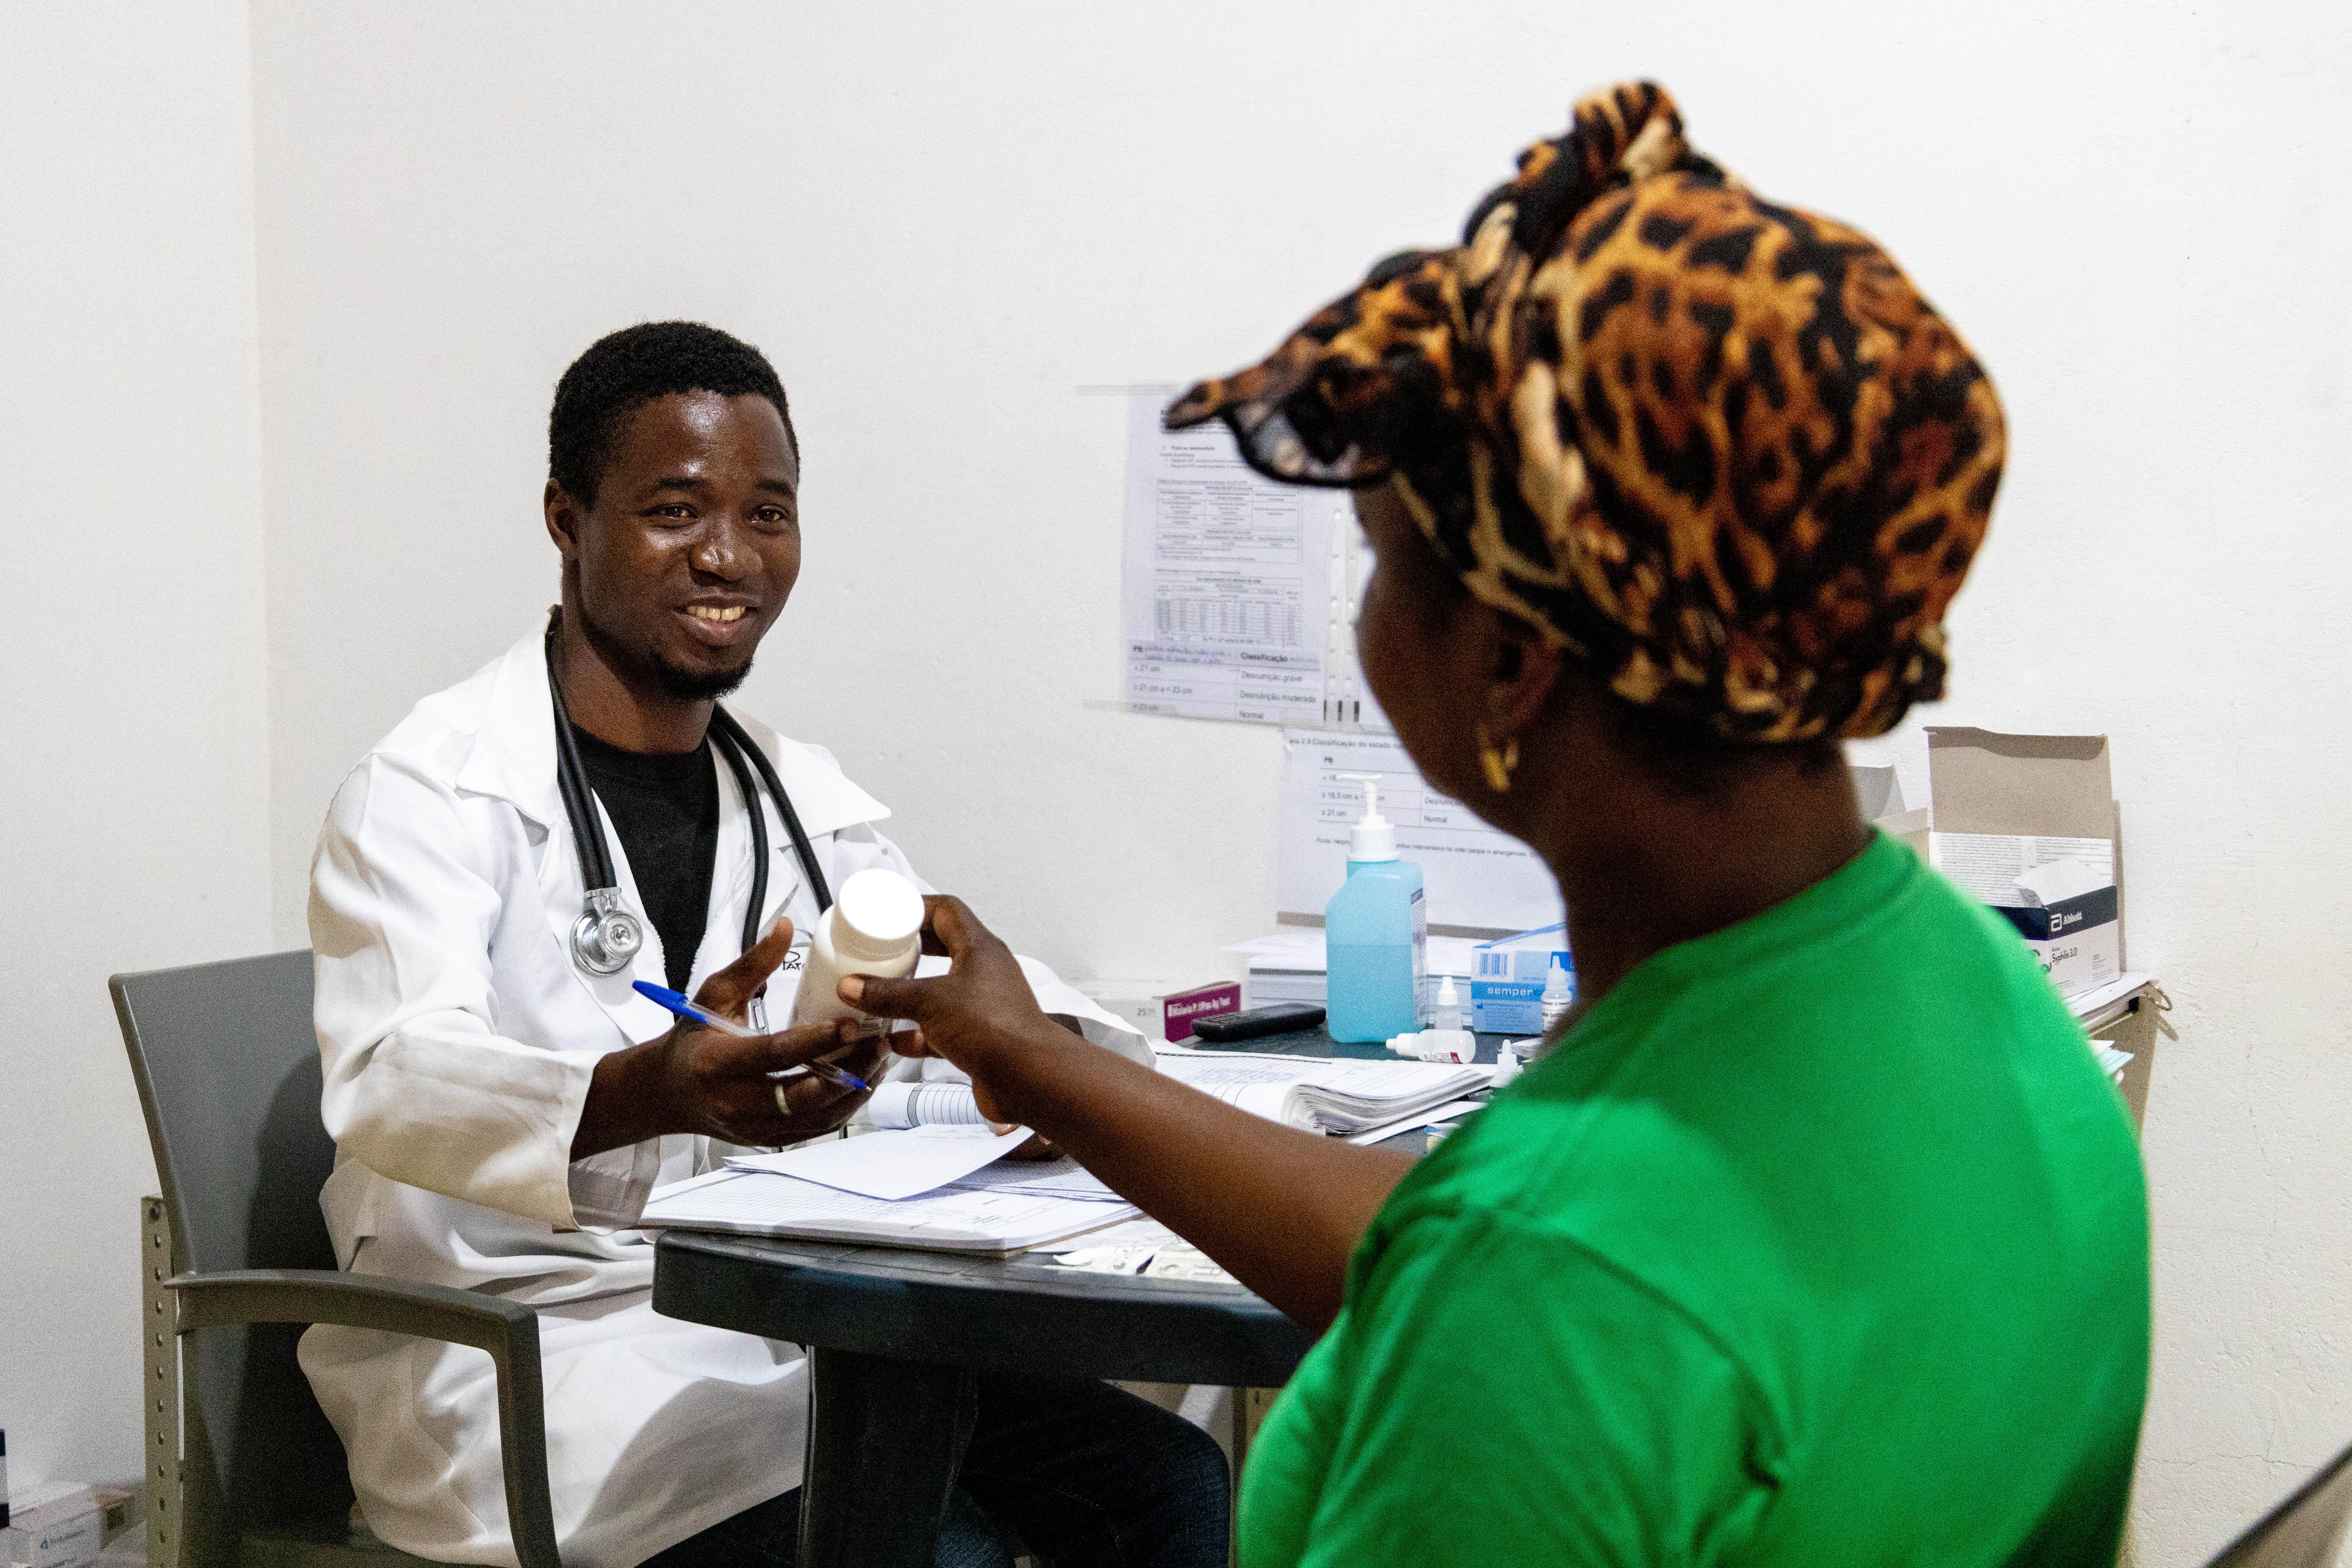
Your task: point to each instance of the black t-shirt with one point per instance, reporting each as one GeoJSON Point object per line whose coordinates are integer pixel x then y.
{"type": "Point", "coordinates": [664, 808]}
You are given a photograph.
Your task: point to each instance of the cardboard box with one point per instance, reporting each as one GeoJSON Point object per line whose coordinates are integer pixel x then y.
{"type": "Point", "coordinates": [1161, 1012]}
{"type": "Point", "coordinates": [1507, 980]}
{"type": "Point", "coordinates": [53, 1526]}
{"type": "Point", "coordinates": [2029, 824]}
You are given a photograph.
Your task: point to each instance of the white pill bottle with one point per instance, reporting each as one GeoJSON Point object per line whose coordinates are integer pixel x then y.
{"type": "Point", "coordinates": [875, 926]}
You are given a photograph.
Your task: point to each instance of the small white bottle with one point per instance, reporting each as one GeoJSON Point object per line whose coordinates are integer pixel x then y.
{"type": "Point", "coordinates": [1558, 992]}
{"type": "Point", "coordinates": [875, 926]}
{"type": "Point", "coordinates": [1448, 1015]}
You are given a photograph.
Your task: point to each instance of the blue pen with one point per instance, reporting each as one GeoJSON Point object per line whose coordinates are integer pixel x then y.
{"type": "Point", "coordinates": [687, 1007]}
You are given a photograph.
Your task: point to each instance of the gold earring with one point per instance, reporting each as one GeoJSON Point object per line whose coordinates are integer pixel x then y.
{"type": "Point", "coordinates": [1498, 764]}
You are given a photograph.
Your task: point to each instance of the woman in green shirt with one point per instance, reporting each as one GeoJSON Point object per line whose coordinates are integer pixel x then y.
{"type": "Point", "coordinates": [1816, 1235]}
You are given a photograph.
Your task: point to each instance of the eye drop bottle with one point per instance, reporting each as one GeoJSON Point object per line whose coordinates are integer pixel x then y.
{"type": "Point", "coordinates": [875, 926]}
{"type": "Point", "coordinates": [1375, 934]}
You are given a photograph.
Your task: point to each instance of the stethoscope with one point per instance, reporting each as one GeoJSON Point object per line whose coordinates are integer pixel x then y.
{"type": "Point", "coordinates": [607, 936]}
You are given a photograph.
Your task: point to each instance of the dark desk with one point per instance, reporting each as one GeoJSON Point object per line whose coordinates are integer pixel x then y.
{"type": "Point", "coordinates": [897, 1339]}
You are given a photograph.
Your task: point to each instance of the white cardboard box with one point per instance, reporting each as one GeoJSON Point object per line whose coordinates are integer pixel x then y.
{"type": "Point", "coordinates": [1506, 986]}
{"type": "Point", "coordinates": [56, 1525]}
{"type": "Point", "coordinates": [2028, 823]}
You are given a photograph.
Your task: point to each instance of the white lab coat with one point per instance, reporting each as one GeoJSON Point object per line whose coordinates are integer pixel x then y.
{"type": "Point", "coordinates": [458, 1038]}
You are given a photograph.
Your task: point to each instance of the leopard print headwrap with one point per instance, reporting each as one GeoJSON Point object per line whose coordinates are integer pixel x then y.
{"type": "Point", "coordinates": [1721, 450]}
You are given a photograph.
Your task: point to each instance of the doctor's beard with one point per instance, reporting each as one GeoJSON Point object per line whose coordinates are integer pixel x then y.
{"type": "Point", "coordinates": [689, 685]}
{"type": "Point", "coordinates": [697, 686]}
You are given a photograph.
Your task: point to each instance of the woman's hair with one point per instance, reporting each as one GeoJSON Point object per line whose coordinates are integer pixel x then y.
{"type": "Point", "coordinates": [1721, 450]}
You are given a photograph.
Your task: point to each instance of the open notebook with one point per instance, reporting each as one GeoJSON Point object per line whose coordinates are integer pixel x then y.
{"type": "Point", "coordinates": [977, 1218]}
{"type": "Point", "coordinates": [1336, 1095]}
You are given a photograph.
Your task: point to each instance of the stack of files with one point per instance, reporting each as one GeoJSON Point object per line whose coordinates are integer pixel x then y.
{"type": "Point", "coordinates": [1289, 967]}
{"type": "Point", "coordinates": [938, 1188]}
{"type": "Point", "coordinates": [1342, 1096]}
{"type": "Point", "coordinates": [1396, 1102]}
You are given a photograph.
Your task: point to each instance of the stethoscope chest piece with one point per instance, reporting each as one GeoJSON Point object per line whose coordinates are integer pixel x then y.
{"type": "Point", "coordinates": [605, 937]}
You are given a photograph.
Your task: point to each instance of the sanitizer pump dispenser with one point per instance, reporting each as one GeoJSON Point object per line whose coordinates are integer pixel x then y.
{"type": "Point", "coordinates": [1375, 932]}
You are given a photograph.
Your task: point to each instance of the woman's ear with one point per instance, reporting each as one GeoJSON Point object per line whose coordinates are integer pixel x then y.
{"type": "Point", "coordinates": [1523, 672]}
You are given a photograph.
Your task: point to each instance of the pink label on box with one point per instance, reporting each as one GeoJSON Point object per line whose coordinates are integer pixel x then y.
{"type": "Point", "coordinates": [1179, 1010]}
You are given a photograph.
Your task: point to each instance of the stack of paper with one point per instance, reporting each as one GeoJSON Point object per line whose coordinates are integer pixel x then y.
{"type": "Point", "coordinates": [760, 1203]}
{"type": "Point", "coordinates": [1324, 1094]}
{"type": "Point", "coordinates": [936, 1187]}
{"type": "Point", "coordinates": [1040, 1179]}
{"type": "Point", "coordinates": [1289, 966]}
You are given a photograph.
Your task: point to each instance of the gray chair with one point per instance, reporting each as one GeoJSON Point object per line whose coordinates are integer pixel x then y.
{"type": "Point", "coordinates": [227, 1067]}
{"type": "Point", "coordinates": [2306, 1531]}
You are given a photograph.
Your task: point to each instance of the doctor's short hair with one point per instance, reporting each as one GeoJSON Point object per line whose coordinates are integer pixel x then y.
{"type": "Point", "coordinates": [624, 370]}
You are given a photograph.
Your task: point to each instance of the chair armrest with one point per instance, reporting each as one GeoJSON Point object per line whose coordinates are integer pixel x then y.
{"type": "Point", "coordinates": [507, 1330]}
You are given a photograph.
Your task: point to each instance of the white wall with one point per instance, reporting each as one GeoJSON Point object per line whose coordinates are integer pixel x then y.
{"type": "Point", "coordinates": [133, 807]}
{"type": "Point", "coordinates": [940, 221]}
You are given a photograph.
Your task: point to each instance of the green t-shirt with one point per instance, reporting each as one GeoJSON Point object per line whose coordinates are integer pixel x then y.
{"type": "Point", "coordinates": [1822, 1239]}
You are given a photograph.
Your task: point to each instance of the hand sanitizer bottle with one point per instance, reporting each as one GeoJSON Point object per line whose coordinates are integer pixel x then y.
{"type": "Point", "coordinates": [1375, 934]}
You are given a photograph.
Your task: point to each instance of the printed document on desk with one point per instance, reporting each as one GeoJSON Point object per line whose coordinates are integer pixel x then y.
{"type": "Point", "coordinates": [1227, 598]}
{"type": "Point", "coordinates": [1476, 878]}
{"type": "Point", "coordinates": [756, 1203]}
{"type": "Point", "coordinates": [889, 1165]}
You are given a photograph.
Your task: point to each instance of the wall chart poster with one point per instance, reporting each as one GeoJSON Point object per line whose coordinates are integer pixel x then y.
{"type": "Point", "coordinates": [1228, 589]}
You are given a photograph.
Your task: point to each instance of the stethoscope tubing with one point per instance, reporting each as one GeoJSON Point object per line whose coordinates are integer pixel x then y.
{"type": "Point", "coordinates": [730, 739]}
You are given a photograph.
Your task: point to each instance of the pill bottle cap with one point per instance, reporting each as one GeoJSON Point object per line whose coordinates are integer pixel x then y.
{"type": "Point", "coordinates": [877, 913]}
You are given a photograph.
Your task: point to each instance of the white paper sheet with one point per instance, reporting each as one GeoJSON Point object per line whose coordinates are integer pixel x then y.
{"type": "Point", "coordinates": [1063, 1178]}
{"type": "Point", "coordinates": [1141, 1231]}
{"type": "Point", "coordinates": [1986, 866]}
{"type": "Point", "coordinates": [759, 1204]}
{"type": "Point", "coordinates": [1474, 876]}
{"type": "Point", "coordinates": [888, 1165]}
{"type": "Point", "coordinates": [1426, 1119]}
{"type": "Point", "coordinates": [1228, 594]}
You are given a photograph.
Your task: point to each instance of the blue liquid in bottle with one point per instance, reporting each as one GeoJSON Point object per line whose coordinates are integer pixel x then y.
{"type": "Point", "coordinates": [1375, 934]}
{"type": "Point", "coordinates": [1376, 941]}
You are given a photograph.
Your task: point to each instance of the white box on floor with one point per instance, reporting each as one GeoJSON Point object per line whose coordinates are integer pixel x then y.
{"type": "Point", "coordinates": [56, 1525]}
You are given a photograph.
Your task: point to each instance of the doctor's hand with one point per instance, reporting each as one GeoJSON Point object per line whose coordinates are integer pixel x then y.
{"type": "Point", "coordinates": [981, 1014]}
{"type": "Point", "coordinates": [697, 1079]}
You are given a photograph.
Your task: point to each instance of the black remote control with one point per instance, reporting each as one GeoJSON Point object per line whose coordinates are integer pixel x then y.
{"type": "Point", "coordinates": [1224, 1027]}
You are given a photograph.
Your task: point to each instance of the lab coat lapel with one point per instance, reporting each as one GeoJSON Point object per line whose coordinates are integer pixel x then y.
{"type": "Point", "coordinates": [731, 878]}
{"type": "Point", "coordinates": [513, 758]}
{"type": "Point", "coordinates": [824, 801]}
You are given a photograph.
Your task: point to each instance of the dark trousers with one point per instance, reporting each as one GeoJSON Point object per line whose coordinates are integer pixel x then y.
{"type": "Point", "coordinates": [1082, 1474]}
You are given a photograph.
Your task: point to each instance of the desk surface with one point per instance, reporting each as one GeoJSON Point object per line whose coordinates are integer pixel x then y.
{"type": "Point", "coordinates": [1023, 1315]}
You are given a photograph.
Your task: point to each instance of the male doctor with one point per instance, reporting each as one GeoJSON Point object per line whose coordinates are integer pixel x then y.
{"type": "Point", "coordinates": [500, 1113]}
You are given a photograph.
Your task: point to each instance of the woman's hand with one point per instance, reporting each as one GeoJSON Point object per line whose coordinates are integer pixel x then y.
{"type": "Point", "coordinates": [981, 1014]}
{"type": "Point", "coordinates": [702, 1080]}
{"type": "Point", "coordinates": [1282, 1208]}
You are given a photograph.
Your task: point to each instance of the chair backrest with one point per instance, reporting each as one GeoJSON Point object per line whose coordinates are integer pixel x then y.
{"type": "Point", "coordinates": [2306, 1531]}
{"type": "Point", "coordinates": [227, 1066]}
